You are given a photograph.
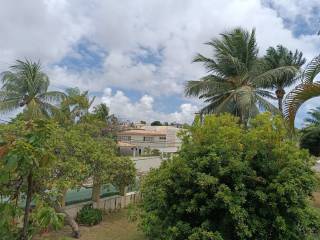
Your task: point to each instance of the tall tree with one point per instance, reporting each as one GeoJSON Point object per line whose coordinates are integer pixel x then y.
{"type": "Point", "coordinates": [26, 86]}
{"type": "Point", "coordinates": [279, 57]}
{"type": "Point", "coordinates": [309, 88]}
{"type": "Point", "coordinates": [25, 164]}
{"type": "Point", "coordinates": [236, 77]}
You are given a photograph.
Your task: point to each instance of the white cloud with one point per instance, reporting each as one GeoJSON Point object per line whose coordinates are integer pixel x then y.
{"type": "Point", "coordinates": [38, 29]}
{"type": "Point", "coordinates": [168, 33]}
{"type": "Point", "coordinates": [122, 106]}
{"type": "Point", "coordinates": [173, 31]}
{"type": "Point", "coordinates": [291, 9]}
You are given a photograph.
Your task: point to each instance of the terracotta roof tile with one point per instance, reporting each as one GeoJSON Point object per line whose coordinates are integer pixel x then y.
{"type": "Point", "coordinates": [142, 132]}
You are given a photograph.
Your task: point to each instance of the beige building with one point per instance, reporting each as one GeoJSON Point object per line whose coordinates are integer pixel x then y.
{"type": "Point", "coordinates": [135, 142]}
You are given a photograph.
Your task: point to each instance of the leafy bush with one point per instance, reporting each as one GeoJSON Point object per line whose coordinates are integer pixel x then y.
{"type": "Point", "coordinates": [89, 215]}
{"type": "Point", "coordinates": [230, 182]}
{"type": "Point", "coordinates": [8, 227]}
{"type": "Point", "coordinates": [133, 212]}
{"type": "Point", "coordinates": [45, 217]}
{"type": "Point", "coordinates": [310, 140]}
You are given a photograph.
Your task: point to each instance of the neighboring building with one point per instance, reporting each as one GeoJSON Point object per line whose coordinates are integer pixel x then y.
{"type": "Point", "coordinates": [126, 148]}
{"type": "Point", "coordinates": [135, 141]}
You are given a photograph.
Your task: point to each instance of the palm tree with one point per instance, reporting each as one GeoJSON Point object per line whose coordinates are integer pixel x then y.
{"type": "Point", "coordinates": [309, 88]}
{"type": "Point", "coordinates": [236, 77]}
{"type": "Point", "coordinates": [79, 102]}
{"type": "Point", "coordinates": [314, 119]}
{"type": "Point", "coordinates": [102, 111]}
{"type": "Point", "coordinates": [75, 105]}
{"type": "Point", "coordinates": [279, 57]}
{"type": "Point", "coordinates": [26, 86]}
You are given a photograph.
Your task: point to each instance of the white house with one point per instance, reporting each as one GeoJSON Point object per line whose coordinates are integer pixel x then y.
{"type": "Point", "coordinates": [135, 141]}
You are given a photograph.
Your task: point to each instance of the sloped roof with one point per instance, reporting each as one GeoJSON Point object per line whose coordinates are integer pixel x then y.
{"type": "Point", "coordinates": [142, 132]}
{"type": "Point", "coordinates": [124, 144]}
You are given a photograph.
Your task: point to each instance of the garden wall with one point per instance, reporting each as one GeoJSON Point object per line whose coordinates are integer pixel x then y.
{"type": "Point", "coordinates": [108, 204]}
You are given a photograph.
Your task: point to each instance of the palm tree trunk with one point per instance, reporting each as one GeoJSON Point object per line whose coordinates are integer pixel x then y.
{"type": "Point", "coordinates": [24, 233]}
{"type": "Point", "coordinates": [280, 101]}
{"type": "Point", "coordinates": [280, 92]}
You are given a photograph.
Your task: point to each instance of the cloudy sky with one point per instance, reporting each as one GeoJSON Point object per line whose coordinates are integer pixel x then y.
{"type": "Point", "coordinates": [135, 55]}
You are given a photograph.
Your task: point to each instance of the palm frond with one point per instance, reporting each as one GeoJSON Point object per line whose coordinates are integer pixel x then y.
{"type": "Point", "coordinates": [209, 64]}
{"type": "Point", "coordinates": [265, 93]}
{"type": "Point", "coordinates": [215, 102]}
{"type": "Point", "coordinates": [297, 97]}
{"type": "Point", "coordinates": [226, 104]}
{"type": "Point", "coordinates": [312, 70]}
{"type": "Point", "coordinates": [8, 106]}
{"type": "Point", "coordinates": [267, 106]}
{"type": "Point", "coordinates": [268, 78]}
{"type": "Point", "coordinates": [204, 85]}
{"type": "Point", "coordinates": [46, 108]}
{"type": "Point", "coordinates": [314, 118]}
{"type": "Point", "coordinates": [52, 96]}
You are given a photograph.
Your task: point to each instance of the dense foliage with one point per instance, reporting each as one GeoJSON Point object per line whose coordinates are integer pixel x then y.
{"type": "Point", "coordinates": [89, 215]}
{"type": "Point", "coordinates": [232, 183]}
{"type": "Point", "coordinates": [27, 161]}
{"type": "Point", "coordinates": [54, 145]}
{"type": "Point", "coordinates": [310, 139]}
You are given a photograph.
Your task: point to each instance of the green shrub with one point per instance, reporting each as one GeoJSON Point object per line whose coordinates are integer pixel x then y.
{"type": "Point", "coordinates": [89, 215]}
{"type": "Point", "coordinates": [133, 212]}
{"type": "Point", "coordinates": [230, 182]}
{"type": "Point", "coordinates": [310, 140]}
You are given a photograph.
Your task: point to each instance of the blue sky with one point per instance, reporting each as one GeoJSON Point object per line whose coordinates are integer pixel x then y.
{"type": "Point", "coordinates": [136, 55]}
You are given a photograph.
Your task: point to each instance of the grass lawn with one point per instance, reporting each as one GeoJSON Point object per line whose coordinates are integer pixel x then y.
{"type": "Point", "coordinates": [115, 226]}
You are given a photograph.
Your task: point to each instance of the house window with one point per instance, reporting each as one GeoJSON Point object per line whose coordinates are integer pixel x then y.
{"type": "Point", "coordinates": [148, 139]}
{"type": "Point", "coordinates": [124, 138]}
{"type": "Point", "coordinates": [162, 137]}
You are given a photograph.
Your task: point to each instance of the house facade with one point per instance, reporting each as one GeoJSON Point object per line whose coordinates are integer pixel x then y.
{"type": "Point", "coordinates": [137, 142]}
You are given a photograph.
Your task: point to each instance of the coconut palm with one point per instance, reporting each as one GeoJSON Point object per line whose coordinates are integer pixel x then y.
{"type": "Point", "coordinates": [75, 105]}
{"type": "Point", "coordinates": [279, 57]}
{"type": "Point", "coordinates": [102, 111]}
{"type": "Point", "coordinates": [309, 88]}
{"type": "Point", "coordinates": [236, 77]}
{"type": "Point", "coordinates": [78, 101]}
{"type": "Point", "coordinates": [26, 86]}
{"type": "Point", "coordinates": [314, 118]}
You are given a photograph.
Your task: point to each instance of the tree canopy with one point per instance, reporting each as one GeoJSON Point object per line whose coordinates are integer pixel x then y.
{"type": "Point", "coordinates": [279, 57]}
{"type": "Point", "coordinates": [26, 86]}
{"type": "Point", "coordinates": [232, 183]}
